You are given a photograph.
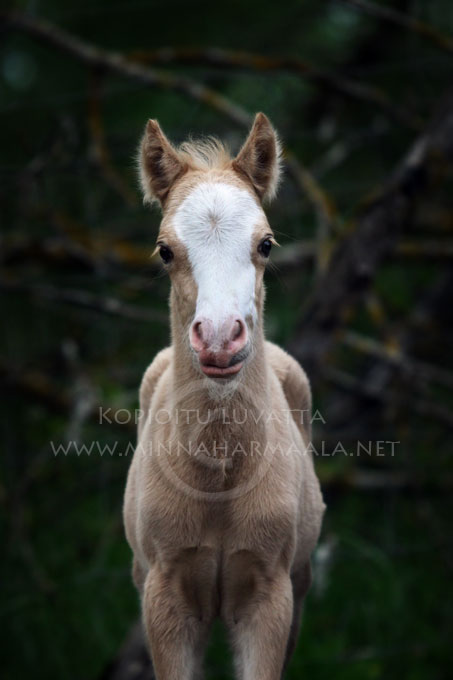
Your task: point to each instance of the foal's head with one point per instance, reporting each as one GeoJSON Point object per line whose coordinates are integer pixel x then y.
{"type": "Point", "coordinates": [214, 238]}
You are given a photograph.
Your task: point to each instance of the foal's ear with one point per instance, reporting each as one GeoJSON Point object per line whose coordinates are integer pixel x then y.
{"type": "Point", "coordinates": [159, 164]}
{"type": "Point", "coordinates": [259, 158]}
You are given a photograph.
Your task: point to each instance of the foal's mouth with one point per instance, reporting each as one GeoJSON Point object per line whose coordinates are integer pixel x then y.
{"type": "Point", "coordinates": [219, 371]}
{"type": "Point", "coordinates": [219, 366]}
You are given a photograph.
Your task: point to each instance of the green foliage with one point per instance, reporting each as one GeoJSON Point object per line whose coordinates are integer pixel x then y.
{"type": "Point", "coordinates": [379, 606]}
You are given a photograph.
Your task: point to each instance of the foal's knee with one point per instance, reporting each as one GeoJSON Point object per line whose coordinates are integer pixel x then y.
{"type": "Point", "coordinates": [181, 590]}
{"type": "Point", "coordinates": [248, 583]}
{"type": "Point", "coordinates": [241, 581]}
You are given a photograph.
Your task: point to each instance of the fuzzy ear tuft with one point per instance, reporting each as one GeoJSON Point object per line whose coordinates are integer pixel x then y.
{"type": "Point", "coordinates": [259, 158]}
{"type": "Point", "coordinates": [159, 164]}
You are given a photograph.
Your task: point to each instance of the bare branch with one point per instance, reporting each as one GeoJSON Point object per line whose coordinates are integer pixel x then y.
{"type": "Point", "coordinates": [322, 204]}
{"type": "Point", "coordinates": [398, 358]}
{"type": "Point", "coordinates": [221, 58]}
{"type": "Point", "coordinates": [358, 256]}
{"type": "Point", "coordinates": [113, 62]}
{"type": "Point", "coordinates": [391, 383]}
{"type": "Point", "coordinates": [405, 21]}
{"type": "Point", "coordinates": [36, 386]}
{"type": "Point", "coordinates": [81, 298]}
{"type": "Point", "coordinates": [53, 251]}
{"type": "Point", "coordinates": [292, 256]}
{"type": "Point", "coordinates": [100, 148]}
{"type": "Point", "coordinates": [361, 388]}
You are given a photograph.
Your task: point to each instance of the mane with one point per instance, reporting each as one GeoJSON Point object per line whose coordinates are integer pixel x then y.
{"type": "Point", "coordinates": [208, 153]}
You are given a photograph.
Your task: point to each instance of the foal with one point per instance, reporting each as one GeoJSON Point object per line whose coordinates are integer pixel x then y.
{"type": "Point", "coordinates": [222, 507]}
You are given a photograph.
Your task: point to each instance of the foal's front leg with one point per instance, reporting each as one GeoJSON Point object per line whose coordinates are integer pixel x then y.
{"type": "Point", "coordinates": [178, 608]}
{"type": "Point", "coordinates": [258, 614]}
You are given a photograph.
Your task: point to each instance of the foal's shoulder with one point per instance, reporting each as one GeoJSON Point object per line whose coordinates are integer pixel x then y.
{"type": "Point", "coordinates": [288, 370]}
{"type": "Point", "coordinates": [292, 377]}
{"type": "Point", "coordinates": [152, 374]}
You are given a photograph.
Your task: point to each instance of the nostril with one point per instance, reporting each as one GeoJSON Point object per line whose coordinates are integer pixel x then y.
{"type": "Point", "coordinates": [242, 332]}
{"type": "Point", "coordinates": [236, 330]}
{"type": "Point", "coordinates": [238, 333]}
{"type": "Point", "coordinates": [201, 334]}
{"type": "Point", "coordinates": [196, 336]}
{"type": "Point", "coordinates": [197, 329]}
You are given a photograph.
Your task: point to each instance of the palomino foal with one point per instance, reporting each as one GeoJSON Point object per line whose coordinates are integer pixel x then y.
{"type": "Point", "coordinates": [222, 508]}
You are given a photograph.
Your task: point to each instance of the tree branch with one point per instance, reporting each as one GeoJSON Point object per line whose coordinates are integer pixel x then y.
{"type": "Point", "coordinates": [100, 150]}
{"type": "Point", "coordinates": [405, 21]}
{"type": "Point", "coordinates": [362, 388]}
{"type": "Point", "coordinates": [82, 298]}
{"type": "Point", "coordinates": [391, 382]}
{"type": "Point", "coordinates": [113, 62]}
{"type": "Point", "coordinates": [37, 387]}
{"type": "Point", "coordinates": [221, 58]}
{"type": "Point", "coordinates": [397, 358]}
{"type": "Point", "coordinates": [292, 256]}
{"type": "Point", "coordinates": [356, 259]}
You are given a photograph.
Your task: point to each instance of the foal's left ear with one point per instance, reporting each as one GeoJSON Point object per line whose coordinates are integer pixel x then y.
{"type": "Point", "coordinates": [259, 158]}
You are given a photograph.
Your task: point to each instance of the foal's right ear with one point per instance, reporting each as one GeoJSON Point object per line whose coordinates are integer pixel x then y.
{"type": "Point", "coordinates": [159, 164]}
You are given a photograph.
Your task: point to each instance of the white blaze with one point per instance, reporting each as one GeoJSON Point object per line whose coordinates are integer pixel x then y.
{"type": "Point", "coordinates": [216, 223]}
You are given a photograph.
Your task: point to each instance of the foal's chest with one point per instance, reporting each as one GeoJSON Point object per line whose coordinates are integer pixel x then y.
{"type": "Point", "coordinates": [225, 522]}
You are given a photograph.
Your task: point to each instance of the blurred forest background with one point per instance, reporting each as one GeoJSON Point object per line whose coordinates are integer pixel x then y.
{"type": "Point", "coordinates": [360, 291]}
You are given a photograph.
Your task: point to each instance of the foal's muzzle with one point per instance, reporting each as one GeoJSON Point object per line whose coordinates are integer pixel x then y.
{"type": "Point", "coordinates": [221, 351]}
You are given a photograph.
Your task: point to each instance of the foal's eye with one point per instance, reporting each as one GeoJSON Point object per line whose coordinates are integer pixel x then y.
{"type": "Point", "coordinates": [166, 254]}
{"type": "Point", "coordinates": [264, 247]}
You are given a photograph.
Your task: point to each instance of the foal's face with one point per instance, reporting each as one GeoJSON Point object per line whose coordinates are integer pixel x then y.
{"type": "Point", "coordinates": [215, 241]}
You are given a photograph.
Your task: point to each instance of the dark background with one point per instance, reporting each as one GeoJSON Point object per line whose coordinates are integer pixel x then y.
{"type": "Point", "coordinates": [360, 292]}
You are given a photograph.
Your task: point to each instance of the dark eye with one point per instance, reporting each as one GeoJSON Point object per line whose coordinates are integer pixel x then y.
{"type": "Point", "coordinates": [265, 247]}
{"type": "Point", "coordinates": [166, 254]}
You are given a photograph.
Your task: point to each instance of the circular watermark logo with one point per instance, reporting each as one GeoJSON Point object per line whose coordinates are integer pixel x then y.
{"type": "Point", "coordinates": [237, 409]}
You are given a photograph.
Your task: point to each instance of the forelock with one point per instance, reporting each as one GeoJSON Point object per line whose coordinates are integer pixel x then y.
{"type": "Point", "coordinates": [205, 154]}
